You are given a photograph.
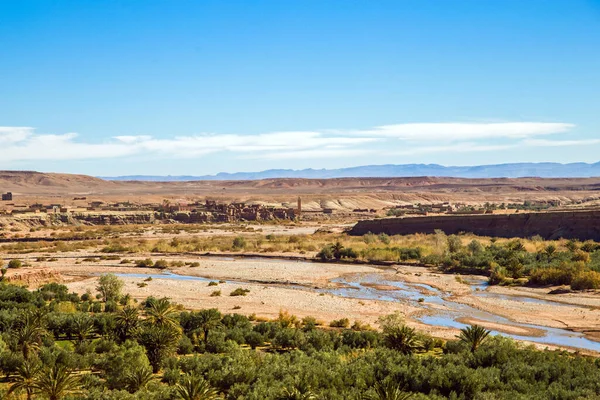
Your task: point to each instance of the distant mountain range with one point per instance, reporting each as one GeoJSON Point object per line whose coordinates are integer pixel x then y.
{"type": "Point", "coordinates": [516, 170]}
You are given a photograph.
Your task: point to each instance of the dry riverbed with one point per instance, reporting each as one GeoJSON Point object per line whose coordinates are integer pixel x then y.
{"type": "Point", "coordinates": [296, 287]}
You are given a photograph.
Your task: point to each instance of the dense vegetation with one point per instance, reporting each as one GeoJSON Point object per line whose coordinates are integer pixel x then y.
{"type": "Point", "coordinates": [60, 345]}
{"type": "Point", "coordinates": [524, 262]}
{"type": "Point", "coordinates": [510, 262]}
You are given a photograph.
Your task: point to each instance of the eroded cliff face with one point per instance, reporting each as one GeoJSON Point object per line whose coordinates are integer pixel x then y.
{"type": "Point", "coordinates": [34, 277]}
{"type": "Point", "coordinates": [60, 219]}
{"type": "Point", "coordinates": [583, 225]}
{"type": "Point", "coordinates": [109, 219]}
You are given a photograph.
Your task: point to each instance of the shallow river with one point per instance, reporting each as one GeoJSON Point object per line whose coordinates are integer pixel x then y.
{"type": "Point", "coordinates": [360, 286]}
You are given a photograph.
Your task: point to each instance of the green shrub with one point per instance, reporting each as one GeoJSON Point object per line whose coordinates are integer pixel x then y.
{"type": "Point", "coordinates": [239, 243]}
{"type": "Point", "coordinates": [384, 238]}
{"type": "Point", "coordinates": [340, 323]}
{"type": "Point", "coordinates": [369, 238]}
{"type": "Point", "coordinates": [326, 253]}
{"type": "Point", "coordinates": [147, 263]}
{"type": "Point", "coordinates": [254, 339]}
{"type": "Point", "coordinates": [586, 280]}
{"type": "Point", "coordinates": [15, 263]}
{"type": "Point", "coordinates": [239, 292]}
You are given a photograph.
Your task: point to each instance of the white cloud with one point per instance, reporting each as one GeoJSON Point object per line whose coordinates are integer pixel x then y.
{"type": "Point", "coordinates": [24, 144]}
{"type": "Point", "coordinates": [559, 143]}
{"type": "Point", "coordinates": [467, 131]}
{"type": "Point", "coordinates": [314, 153]}
{"type": "Point", "coordinates": [132, 139]}
{"type": "Point", "coordinates": [9, 134]}
{"type": "Point", "coordinates": [463, 147]}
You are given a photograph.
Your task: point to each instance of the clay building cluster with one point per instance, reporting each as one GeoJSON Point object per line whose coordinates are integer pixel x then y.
{"type": "Point", "coordinates": [211, 211]}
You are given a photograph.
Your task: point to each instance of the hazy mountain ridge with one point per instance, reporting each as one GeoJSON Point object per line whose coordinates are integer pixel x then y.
{"type": "Point", "coordinates": [515, 170]}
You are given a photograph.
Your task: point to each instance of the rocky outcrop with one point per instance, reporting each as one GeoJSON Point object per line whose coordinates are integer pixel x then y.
{"type": "Point", "coordinates": [119, 218]}
{"type": "Point", "coordinates": [33, 277]}
{"type": "Point", "coordinates": [584, 225]}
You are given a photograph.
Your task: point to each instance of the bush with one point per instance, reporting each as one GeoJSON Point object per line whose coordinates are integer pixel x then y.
{"type": "Point", "coordinates": [254, 339]}
{"type": "Point", "coordinates": [15, 263]}
{"type": "Point", "coordinates": [586, 280]}
{"type": "Point", "coordinates": [340, 323]}
{"type": "Point", "coordinates": [239, 243]}
{"type": "Point", "coordinates": [110, 306]}
{"type": "Point", "coordinates": [185, 345]}
{"type": "Point", "coordinates": [217, 293]}
{"type": "Point", "coordinates": [384, 238]}
{"type": "Point", "coordinates": [348, 252]}
{"type": "Point", "coordinates": [326, 253]}
{"type": "Point", "coordinates": [239, 292]}
{"type": "Point", "coordinates": [369, 238]}
{"type": "Point", "coordinates": [161, 264]}
{"type": "Point", "coordinates": [561, 275]}
{"type": "Point", "coordinates": [147, 263]}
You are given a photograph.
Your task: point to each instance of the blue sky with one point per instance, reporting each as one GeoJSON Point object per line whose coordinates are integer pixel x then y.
{"type": "Point", "coordinates": [199, 87]}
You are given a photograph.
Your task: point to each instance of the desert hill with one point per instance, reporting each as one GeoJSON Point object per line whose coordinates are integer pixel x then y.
{"type": "Point", "coordinates": [337, 193]}
{"type": "Point", "coordinates": [40, 182]}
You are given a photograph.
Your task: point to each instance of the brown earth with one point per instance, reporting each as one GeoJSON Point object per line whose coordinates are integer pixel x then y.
{"type": "Point", "coordinates": [341, 193]}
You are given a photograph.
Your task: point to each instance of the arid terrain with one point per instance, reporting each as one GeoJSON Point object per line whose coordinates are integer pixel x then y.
{"type": "Point", "coordinates": [276, 261]}
{"type": "Point", "coordinates": [290, 281]}
{"type": "Point", "coordinates": [342, 194]}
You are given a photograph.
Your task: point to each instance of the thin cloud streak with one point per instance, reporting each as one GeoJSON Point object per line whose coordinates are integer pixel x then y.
{"type": "Point", "coordinates": [464, 147]}
{"type": "Point", "coordinates": [559, 143]}
{"type": "Point", "coordinates": [467, 131]}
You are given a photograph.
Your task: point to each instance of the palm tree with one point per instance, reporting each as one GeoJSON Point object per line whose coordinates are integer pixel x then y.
{"type": "Point", "coordinates": [162, 313]}
{"type": "Point", "coordinates": [29, 332]}
{"type": "Point", "coordinates": [83, 327]}
{"type": "Point", "coordinates": [138, 379]}
{"type": "Point", "coordinates": [337, 249]}
{"type": "Point", "coordinates": [388, 391]}
{"type": "Point", "coordinates": [56, 382]}
{"type": "Point", "coordinates": [300, 391]}
{"type": "Point", "coordinates": [402, 338]}
{"type": "Point", "coordinates": [208, 320]}
{"type": "Point", "coordinates": [25, 378]}
{"type": "Point", "coordinates": [550, 250]}
{"type": "Point", "coordinates": [127, 323]}
{"type": "Point", "coordinates": [159, 341]}
{"type": "Point", "coordinates": [473, 336]}
{"type": "Point", "coordinates": [194, 387]}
